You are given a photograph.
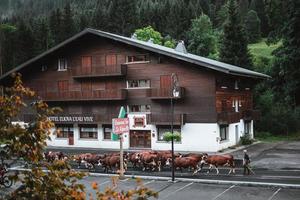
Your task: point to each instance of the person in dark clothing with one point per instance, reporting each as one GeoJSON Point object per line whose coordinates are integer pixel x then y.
{"type": "Point", "coordinates": [246, 163]}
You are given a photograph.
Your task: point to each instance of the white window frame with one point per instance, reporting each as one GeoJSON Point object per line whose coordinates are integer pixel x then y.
{"type": "Point", "coordinates": [128, 108]}
{"type": "Point", "coordinates": [111, 132]}
{"type": "Point", "coordinates": [127, 84]}
{"type": "Point", "coordinates": [147, 60]}
{"type": "Point", "coordinates": [226, 127]}
{"type": "Point", "coordinates": [64, 66]}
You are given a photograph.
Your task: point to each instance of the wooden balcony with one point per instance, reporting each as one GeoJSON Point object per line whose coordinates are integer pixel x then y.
{"type": "Point", "coordinates": [251, 114]}
{"type": "Point", "coordinates": [229, 117]}
{"type": "Point", "coordinates": [104, 71]}
{"type": "Point", "coordinates": [65, 118]}
{"type": "Point", "coordinates": [164, 93]}
{"type": "Point", "coordinates": [165, 119]}
{"type": "Point", "coordinates": [96, 95]}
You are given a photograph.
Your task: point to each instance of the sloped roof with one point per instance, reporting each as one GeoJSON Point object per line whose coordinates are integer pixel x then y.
{"type": "Point", "coordinates": [191, 58]}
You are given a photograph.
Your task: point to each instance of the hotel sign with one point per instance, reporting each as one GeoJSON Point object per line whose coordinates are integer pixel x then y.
{"type": "Point", "coordinates": [71, 118]}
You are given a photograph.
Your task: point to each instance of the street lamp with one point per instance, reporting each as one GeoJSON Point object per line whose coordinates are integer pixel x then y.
{"type": "Point", "coordinates": [174, 94]}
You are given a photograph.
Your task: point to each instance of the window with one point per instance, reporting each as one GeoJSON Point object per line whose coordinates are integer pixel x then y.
{"type": "Point", "coordinates": [224, 132]}
{"type": "Point", "coordinates": [137, 58]}
{"type": "Point", "coordinates": [138, 84]}
{"type": "Point", "coordinates": [247, 127]}
{"type": "Point", "coordinates": [139, 108]}
{"type": "Point", "coordinates": [62, 64]}
{"type": "Point", "coordinates": [236, 104]}
{"type": "Point", "coordinates": [111, 60]}
{"type": "Point", "coordinates": [162, 130]}
{"type": "Point", "coordinates": [44, 68]}
{"type": "Point", "coordinates": [236, 85]}
{"type": "Point", "coordinates": [63, 131]}
{"type": "Point", "coordinates": [107, 132]}
{"type": "Point", "coordinates": [88, 131]}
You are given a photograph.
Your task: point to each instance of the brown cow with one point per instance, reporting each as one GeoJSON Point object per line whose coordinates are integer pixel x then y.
{"type": "Point", "coordinates": [218, 160]}
{"type": "Point", "coordinates": [134, 158]}
{"type": "Point", "coordinates": [54, 155]}
{"type": "Point", "coordinates": [185, 162]}
{"type": "Point", "coordinates": [150, 160]}
{"type": "Point", "coordinates": [110, 162]}
{"type": "Point", "coordinates": [81, 157]}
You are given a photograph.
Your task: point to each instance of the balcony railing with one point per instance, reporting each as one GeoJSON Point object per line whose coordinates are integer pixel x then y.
{"type": "Point", "coordinates": [165, 119]}
{"type": "Point", "coordinates": [229, 117]}
{"type": "Point", "coordinates": [75, 118]}
{"type": "Point", "coordinates": [165, 93]}
{"type": "Point", "coordinates": [85, 95]}
{"type": "Point", "coordinates": [251, 114]}
{"type": "Point", "coordinates": [103, 71]}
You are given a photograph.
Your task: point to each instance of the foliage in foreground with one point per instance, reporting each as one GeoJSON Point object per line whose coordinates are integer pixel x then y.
{"type": "Point", "coordinates": [45, 180]}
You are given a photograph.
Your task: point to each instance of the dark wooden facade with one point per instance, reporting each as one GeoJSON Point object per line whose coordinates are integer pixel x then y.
{"type": "Point", "coordinates": [95, 84]}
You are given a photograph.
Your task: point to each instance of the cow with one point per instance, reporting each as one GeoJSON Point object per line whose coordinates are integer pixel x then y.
{"type": "Point", "coordinates": [218, 160]}
{"type": "Point", "coordinates": [135, 160]}
{"type": "Point", "coordinates": [149, 160]}
{"type": "Point", "coordinates": [185, 162]}
{"type": "Point", "coordinates": [91, 160]}
{"type": "Point", "coordinates": [54, 155]}
{"type": "Point", "coordinates": [111, 161]}
{"type": "Point", "coordinates": [80, 158]}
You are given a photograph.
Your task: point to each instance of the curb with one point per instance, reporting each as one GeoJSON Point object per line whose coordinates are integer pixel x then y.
{"type": "Point", "coordinates": [207, 181]}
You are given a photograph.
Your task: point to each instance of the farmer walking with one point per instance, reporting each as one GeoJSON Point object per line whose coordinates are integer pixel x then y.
{"type": "Point", "coordinates": [246, 163]}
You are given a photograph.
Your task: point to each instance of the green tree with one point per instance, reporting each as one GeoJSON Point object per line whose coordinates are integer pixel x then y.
{"type": "Point", "coordinates": [233, 44]}
{"type": "Point", "coordinates": [252, 24]}
{"type": "Point", "coordinates": [201, 37]}
{"type": "Point", "coordinates": [243, 8]}
{"type": "Point", "coordinates": [7, 46]}
{"type": "Point", "coordinates": [42, 36]}
{"type": "Point", "coordinates": [122, 17]}
{"type": "Point", "coordinates": [68, 25]}
{"type": "Point", "coordinates": [259, 7]}
{"type": "Point", "coordinates": [55, 24]}
{"type": "Point", "coordinates": [148, 33]}
{"type": "Point", "coordinates": [286, 71]}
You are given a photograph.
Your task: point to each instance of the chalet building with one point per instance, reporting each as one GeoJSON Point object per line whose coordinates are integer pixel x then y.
{"type": "Point", "coordinates": [91, 75]}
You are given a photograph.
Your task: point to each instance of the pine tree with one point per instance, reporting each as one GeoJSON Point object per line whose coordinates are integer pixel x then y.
{"type": "Point", "coordinates": [7, 46]}
{"type": "Point", "coordinates": [68, 26]}
{"type": "Point", "coordinates": [201, 37]}
{"type": "Point", "coordinates": [252, 25]}
{"type": "Point", "coordinates": [259, 7]}
{"type": "Point", "coordinates": [122, 17]}
{"type": "Point", "coordinates": [286, 70]}
{"type": "Point", "coordinates": [24, 38]}
{"type": "Point", "coordinates": [243, 8]}
{"type": "Point", "coordinates": [233, 45]}
{"type": "Point", "coordinates": [42, 37]}
{"type": "Point", "coordinates": [55, 24]}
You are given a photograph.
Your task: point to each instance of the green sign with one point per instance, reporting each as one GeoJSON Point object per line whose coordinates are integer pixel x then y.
{"type": "Point", "coordinates": [122, 114]}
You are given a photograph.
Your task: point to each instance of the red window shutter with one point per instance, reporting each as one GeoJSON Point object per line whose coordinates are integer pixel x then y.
{"type": "Point", "coordinates": [111, 59]}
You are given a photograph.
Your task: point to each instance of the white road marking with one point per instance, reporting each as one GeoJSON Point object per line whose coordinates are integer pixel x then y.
{"type": "Point", "coordinates": [149, 182]}
{"type": "Point", "coordinates": [104, 182]}
{"type": "Point", "coordinates": [279, 177]}
{"type": "Point", "coordinates": [124, 180]}
{"type": "Point", "coordinates": [223, 192]}
{"type": "Point", "coordinates": [187, 185]}
{"type": "Point", "coordinates": [274, 194]}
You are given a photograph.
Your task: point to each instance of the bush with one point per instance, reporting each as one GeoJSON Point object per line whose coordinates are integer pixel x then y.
{"type": "Point", "coordinates": [168, 136]}
{"type": "Point", "coordinates": [246, 140]}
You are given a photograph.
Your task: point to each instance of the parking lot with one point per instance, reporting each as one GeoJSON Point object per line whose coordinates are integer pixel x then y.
{"type": "Point", "coordinates": [193, 190]}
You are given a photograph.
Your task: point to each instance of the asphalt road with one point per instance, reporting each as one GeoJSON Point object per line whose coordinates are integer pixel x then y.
{"type": "Point", "coordinates": [198, 191]}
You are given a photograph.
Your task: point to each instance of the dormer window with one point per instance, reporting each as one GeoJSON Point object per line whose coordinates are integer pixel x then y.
{"type": "Point", "coordinates": [62, 64]}
{"type": "Point", "coordinates": [137, 58]}
{"type": "Point", "coordinates": [44, 68]}
{"type": "Point", "coordinates": [236, 85]}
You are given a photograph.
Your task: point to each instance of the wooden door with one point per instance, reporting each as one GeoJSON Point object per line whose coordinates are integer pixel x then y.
{"type": "Point", "coordinates": [165, 85]}
{"type": "Point", "coordinates": [71, 138]}
{"type": "Point", "coordinates": [63, 88]}
{"type": "Point", "coordinates": [140, 139]}
{"type": "Point", "coordinates": [86, 89]}
{"type": "Point", "coordinates": [86, 64]}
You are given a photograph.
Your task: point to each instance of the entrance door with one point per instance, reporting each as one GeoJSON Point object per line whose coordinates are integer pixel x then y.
{"type": "Point", "coordinates": [71, 138]}
{"type": "Point", "coordinates": [236, 134]}
{"type": "Point", "coordinates": [140, 139]}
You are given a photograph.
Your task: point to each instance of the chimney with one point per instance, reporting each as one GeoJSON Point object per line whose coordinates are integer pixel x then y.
{"type": "Point", "coordinates": [150, 41]}
{"type": "Point", "coordinates": [134, 36]}
{"type": "Point", "coordinates": [180, 47]}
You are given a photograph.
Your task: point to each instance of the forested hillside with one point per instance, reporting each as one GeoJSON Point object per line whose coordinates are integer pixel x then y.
{"type": "Point", "coordinates": [219, 29]}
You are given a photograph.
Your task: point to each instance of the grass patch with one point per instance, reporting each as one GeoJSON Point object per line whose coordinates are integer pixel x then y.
{"type": "Point", "coordinates": [267, 137]}
{"type": "Point", "coordinates": [261, 49]}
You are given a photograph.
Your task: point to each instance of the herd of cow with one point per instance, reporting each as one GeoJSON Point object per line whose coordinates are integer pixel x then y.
{"type": "Point", "coordinates": [146, 160]}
